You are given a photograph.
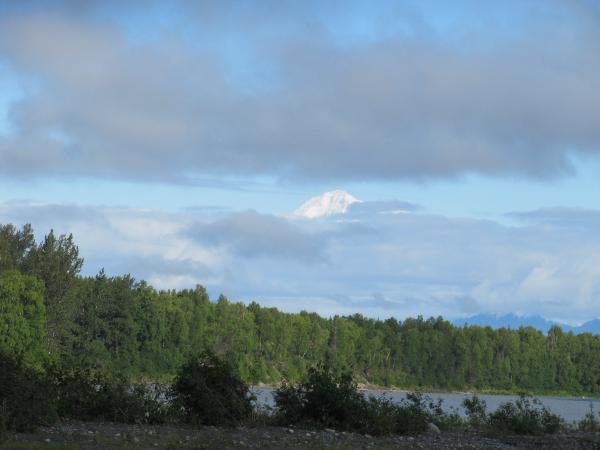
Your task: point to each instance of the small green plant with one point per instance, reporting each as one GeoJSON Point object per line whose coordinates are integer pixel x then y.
{"type": "Point", "coordinates": [524, 416]}
{"type": "Point", "coordinates": [475, 409]}
{"type": "Point", "coordinates": [210, 392]}
{"type": "Point", "coordinates": [589, 421]}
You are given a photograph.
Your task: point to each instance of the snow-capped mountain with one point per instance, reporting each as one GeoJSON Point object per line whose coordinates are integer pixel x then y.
{"type": "Point", "coordinates": [334, 202]}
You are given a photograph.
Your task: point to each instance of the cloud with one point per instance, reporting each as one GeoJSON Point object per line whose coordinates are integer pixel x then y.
{"type": "Point", "coordinates": [251, 235]}
{"type": "Point", "coordinates": [314, 104]}
{"type": "Point", "coordinates": [382, 207]}
{"type": "Point", "coordinates": [579, 218]}
{"type": "Point", "coordinates": [380, 265]}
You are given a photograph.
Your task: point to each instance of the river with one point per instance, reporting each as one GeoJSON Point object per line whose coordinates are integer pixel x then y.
{"type": "Point", "coordinates": [569, 408]}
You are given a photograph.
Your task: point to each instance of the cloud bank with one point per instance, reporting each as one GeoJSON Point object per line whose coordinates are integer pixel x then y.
{"type": "Point", "coordinates": [380, 265]}
{"type": "Point", "coordinates": [296, 94]}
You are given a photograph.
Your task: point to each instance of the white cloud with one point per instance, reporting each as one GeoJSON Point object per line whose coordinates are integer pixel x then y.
{"type": "Point", "coordinates": [380, 265]}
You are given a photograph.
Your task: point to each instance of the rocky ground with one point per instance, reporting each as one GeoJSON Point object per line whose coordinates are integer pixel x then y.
{"type": "Point", "coordinates": [86, 435]}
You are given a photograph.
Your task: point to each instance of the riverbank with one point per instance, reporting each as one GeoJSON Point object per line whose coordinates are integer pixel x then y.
{"type": "Point", "coordinates": [368, 387]}
{"type": "Point", "coordinates": [71, 435]}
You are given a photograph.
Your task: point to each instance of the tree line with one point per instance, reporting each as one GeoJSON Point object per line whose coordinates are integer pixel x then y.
{"type": "Point", "coordinates": [115, 324]}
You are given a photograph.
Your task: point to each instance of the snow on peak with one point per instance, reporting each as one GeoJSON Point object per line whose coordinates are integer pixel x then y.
{"type": "Point", "coordinates": [334, 202]}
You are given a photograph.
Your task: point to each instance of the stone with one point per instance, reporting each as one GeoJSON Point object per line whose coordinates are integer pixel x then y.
{"type": "Point", "coordinates": [432, 427]}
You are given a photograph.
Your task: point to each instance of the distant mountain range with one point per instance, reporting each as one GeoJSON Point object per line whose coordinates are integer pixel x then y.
{"type": "Point", "coordinates": [538, 322]}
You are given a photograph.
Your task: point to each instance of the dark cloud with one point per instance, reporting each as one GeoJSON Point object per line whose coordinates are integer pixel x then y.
{"type": "Point", "coordinates": [251, 235]}
{"type": "Point", "coordinates": [409, 105]}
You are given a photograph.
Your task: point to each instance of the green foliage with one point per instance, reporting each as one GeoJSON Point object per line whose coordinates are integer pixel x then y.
{"type": "Point", "coordinates": [84, 395]}
{"type": "Point", "coordinates": [115, 324]}
{"type": "Point", "coordinates": [211, 393]}
{"type": "Point", "coordinates": [21, 316]}
{"type": "Point", "coordinates": [475, 409]}
{"type": "Point", "coordinates": [323, 398]}
{"type": "Point", "coordinates": [524, 416]}
{"type": "Point", "coordinates": [25, 402]}
{"type": "Point", "coordinates": [16, 246]}
{"type": "Point", "coordinates": [591, 421]}
{"type": "Point", "coordinates": [327, 399]}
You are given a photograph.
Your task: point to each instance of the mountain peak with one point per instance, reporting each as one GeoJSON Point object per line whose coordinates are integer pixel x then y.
{"type": "Point", "coordinates": [327, 204]}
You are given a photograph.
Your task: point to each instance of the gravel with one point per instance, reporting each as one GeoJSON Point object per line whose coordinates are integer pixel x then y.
{"type": "Point", "coordinates": [103, 435]}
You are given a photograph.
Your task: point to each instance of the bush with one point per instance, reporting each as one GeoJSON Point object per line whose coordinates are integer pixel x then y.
{"type": "Point", "coordinates": [326, 399]}
{"type": "Point", "coordinates": [417, 411]}
{"type": "Point", "coordinates": [590, 422]}
{"type": "Point", "coordinates": [24, 400]}
{"type": "Point", "coordinates": [524, 416]}
{"type": "Point", "coordinates": [323, 399]}
{"type": "Point", "coordinates": [211, 393]}
{"type": "Point", "coordinates": [476, 411]}
{"type": "Point", "coordinates": [81, 394]}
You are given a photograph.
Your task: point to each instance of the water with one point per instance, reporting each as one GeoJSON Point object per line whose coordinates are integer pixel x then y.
{"type": "Point", "coordinates": [569, 408]}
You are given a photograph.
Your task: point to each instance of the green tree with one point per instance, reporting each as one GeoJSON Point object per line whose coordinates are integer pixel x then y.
{"type": "Point", "coordinates": [21, 316]}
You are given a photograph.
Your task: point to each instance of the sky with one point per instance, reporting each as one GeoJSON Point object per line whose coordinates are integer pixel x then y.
{"type": "Point", "coordinates": [175, 140]}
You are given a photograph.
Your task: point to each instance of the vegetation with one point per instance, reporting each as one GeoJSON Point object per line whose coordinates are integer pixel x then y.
{"type": "Point", "coordinates": [118, 325]}
{"type": "Point", "coordinates": [24, 400]}
{"type": "Point", "coordinates": [525, 415]}
{"type": "Point", "coordinates": [329, 400]}
{"type": "Point", "coordinates": [61, 333]}
{"type": "Point", "coordinates": [211, 392]}
{"type": "Point", "coordinates": [591, 421]}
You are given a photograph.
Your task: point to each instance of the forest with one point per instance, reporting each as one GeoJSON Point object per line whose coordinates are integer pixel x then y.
{"type": "Point", "coordinates": [49, 312]}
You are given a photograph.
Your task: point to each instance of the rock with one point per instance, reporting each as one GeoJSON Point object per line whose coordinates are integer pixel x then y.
{"type": "Point", "coordinates": [432, 427]}
{"type": "Point", "coordinates": [290, 431]}
{"type": "Point", "coordinates": [47, 440]}
{"type": "Point", "coordinates": [329, 430]}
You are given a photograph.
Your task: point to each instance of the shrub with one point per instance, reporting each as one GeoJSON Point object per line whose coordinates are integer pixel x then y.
{"type": "Point", "coordinates": [475, 409]}
{"type": "Point", "coordinates": [211, 393]}
{"type": "Point", "coordinates": [322, 399]}
{"type": "Point", "coordinates": [81, 394]}
{"type": "Point", "coordinates": [24, 400]}
{"type": "Point", "coordinates": [380, 416]}
{"type": "Point", "coordinates": [524, 416]}
{"type": "Point", "coordinates": [326, 399]}
{"type": "Point", "coordinates": [590, 422]}
{"type": "Point", "coordinates": [417, 411]}
{"type": "Point", "coordinates": [412, 416]}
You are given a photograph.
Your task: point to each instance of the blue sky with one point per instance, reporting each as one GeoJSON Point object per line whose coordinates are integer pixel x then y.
{"type": "Point", "coordinates": [145, 128]}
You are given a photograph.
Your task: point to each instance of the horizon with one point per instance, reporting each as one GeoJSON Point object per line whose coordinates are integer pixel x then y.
{"type": "Point", "coordinates": [176, 141]}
